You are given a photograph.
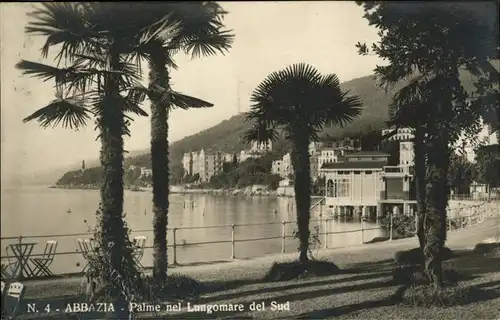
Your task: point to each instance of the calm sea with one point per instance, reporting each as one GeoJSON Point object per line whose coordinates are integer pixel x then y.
{"type": "Point", "coordinates": [41, 214]}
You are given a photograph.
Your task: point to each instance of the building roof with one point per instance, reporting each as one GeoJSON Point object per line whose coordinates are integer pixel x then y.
{"type": "Point", "coordinates": [367, 154]}
{"type": "Point", "coordinates": [355, 165]}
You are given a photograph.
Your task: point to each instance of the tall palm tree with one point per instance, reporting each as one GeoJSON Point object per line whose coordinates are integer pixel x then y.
{"type": "Point", "coordinates": [95, 44]}
{"type": "Point", "coordinates": [199, 32]}
{"type": "Point", "coordinates": [300, 101]}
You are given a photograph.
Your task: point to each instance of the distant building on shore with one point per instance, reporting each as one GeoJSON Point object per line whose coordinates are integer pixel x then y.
{"type": "Point", "coordinates": [282, 167]}
{"type": "Point", "coordinates": [146, 172]}
{"type": "Point", "coordinates": [363, 182]}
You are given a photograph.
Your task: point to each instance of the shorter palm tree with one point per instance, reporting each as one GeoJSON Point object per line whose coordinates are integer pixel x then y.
{"type": "Point", "coordinates": [300, 102]}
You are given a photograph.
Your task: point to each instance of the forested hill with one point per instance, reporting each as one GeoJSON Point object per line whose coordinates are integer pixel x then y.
{"type": "Point", "coordinates": [225, 136]}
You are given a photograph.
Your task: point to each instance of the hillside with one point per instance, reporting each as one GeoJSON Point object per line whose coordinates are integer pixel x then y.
{"type": "Point", "coordinates": [226, 135]}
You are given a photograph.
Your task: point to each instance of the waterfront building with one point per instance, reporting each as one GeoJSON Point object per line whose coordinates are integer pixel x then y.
{"type": "Point", "coordinates": [363, 182]}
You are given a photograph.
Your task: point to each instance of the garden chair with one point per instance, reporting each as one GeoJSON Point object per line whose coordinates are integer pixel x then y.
{"type": "Point", "coordinates": [12, 300]}
{"type": "Point", "coordinates": [140, 243]}
{"type": "Point", "coordinates": [11, 267]}
{"type": "Point", "coordinates": [7, 268]}
{"type": "Point", "coordinates": [42, 264]}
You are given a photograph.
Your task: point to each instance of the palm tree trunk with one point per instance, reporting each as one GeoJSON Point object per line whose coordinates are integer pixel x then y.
{"type": "Point", "coordinates": [420, 183]}
{"type": "Point", "coordinates": [302, 188]}
{"type": "Point", "coordinates": [437, 192]}
{"type": "Point", "coordinates": [113, 232]}
{"type": "Point", "coordinates": [158, 76]}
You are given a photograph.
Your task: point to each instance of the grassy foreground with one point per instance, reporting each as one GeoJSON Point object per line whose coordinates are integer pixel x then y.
{"type": "Point", "coordinates": [363, 288]}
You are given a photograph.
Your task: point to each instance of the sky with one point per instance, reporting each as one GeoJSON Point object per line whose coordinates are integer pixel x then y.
{"type": "Point", "coordinates": [268, 37]}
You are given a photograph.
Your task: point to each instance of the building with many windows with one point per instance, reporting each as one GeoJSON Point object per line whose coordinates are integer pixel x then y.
{"type": "Point", "coordinates": [362, 182]}
{"type": "Point", "coordinates": [282, 167]}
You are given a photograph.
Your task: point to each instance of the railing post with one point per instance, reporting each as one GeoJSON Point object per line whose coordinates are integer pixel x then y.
{"type": "Point", "coordinates": [362, 231]}
{"type": "Point", "coordinates": [175, 245]}
{"type": "Point", "coordinates": [21, 259]}
{"type": "Point", "coordinates": [283, 236]}
{"type": "Point", "coordinates": [390, 229]}
{"type": "Point", "coordinates": [232, 241]}
{"type": "Point", "coordinates": [326, 233]}
{"type": "Point", "coordinates": [321, 208]}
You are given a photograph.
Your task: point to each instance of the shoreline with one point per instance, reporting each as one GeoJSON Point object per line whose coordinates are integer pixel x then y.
{"type": "Point", "coordinates": [225, 192]}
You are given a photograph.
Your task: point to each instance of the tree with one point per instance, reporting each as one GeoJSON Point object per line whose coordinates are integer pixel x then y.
{"type": "Point", "coordinates": [199, 32]}
{"type": "Point", "coordinates": [428, 44]}
{"type": "Point", "coordinates": [95, 44]}
{"type": "Point", "coordinates": [460, 174]}
{"type": "Point", "coordinates": [299, 101]}
{"type": "Point", "coordinates": [487, 164]}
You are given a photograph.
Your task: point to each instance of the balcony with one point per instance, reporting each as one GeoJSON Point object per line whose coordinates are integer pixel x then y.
{"type": "Point", "coordinates": [396, 171]}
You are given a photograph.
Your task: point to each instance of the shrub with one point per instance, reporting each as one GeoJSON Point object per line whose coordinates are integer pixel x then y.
{"type": "Point", "coordinates": [429, 296]}
{"type": "Point", "coordinates": [414, 257]}
{"type": "Point", "coordinates": [314, 240]}
{"type": "Point", "coordinates": [286, 271]}
{"type": "Point", "coordinates": [403, 225]}
{"type": "Point", "coordinates": [106, 283]}
{"type": "Point", "coordinates": [487, 247]}
{"type": "Point", "coordinates": [416, 276]}
{"type": "Point", "coordinates": [177, 287]}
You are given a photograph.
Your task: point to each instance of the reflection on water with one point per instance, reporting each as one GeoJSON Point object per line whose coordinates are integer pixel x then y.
{"type": "Point", "coordinates": [46, 212]}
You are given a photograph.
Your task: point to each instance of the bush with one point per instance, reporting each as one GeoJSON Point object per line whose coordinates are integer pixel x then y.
{"type": "Point", "coordinates": [414, 257]}
{"type": "Point", "coordinates": [428, 296]}
{"type": "Point", "coordinates": [286, 271]}
{"type": "Point", "coordinates": [177, 287]}
{"type": "Point", "coordinates": [416, 276]}
{"type": "Point", "coordinates": [402, 225]}
{"type": "Point", "coordinates": [104, 282]}
{"type": "Point", "coordinates": [493, 247]}
{"type": "Point", "coordinates": [314, 240]}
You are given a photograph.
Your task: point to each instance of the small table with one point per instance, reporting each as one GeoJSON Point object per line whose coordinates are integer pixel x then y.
{"type": "Point", "coordinates": [22, 252]}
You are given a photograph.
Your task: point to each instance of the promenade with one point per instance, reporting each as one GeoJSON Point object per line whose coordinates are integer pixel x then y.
{"type": "Point", "coordinates": [360, 293]}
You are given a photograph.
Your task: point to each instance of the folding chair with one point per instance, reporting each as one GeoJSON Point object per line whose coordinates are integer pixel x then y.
{"type": "Point", "coordinates": [7, 269]}
{"type": "Point", "coordinates": [11, 267]}
{"type": "Point", "coordinates": [140, 243]}
{"type": "Point", "coordinates": [42, 264]}
{"type": "Point", "coordinates": [12, 300]}
{"type": "Point", "coordinates": [85, 246]}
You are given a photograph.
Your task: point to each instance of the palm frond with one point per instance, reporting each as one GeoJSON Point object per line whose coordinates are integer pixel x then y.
{"type": "Point", "coordinates": [62, 24]}
{"type": "Point", "coordinates": [46, 72]}
{"type": "Point", "coordinates": [260, 132]}
{"type": "Point", "coordinates": [208, 43]}
{"type": "Point", "coordinates": [299, 98]}
{"type": "Point", "coordinates": [70, 113]}
{"type": "Point", "coordinates": [130, 105]}
{"type": "Point", "coordinates": [182, 101]}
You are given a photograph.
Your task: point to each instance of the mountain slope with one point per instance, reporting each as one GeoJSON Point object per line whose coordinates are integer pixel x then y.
{"type": "Point", "coordinates": [226, 135]}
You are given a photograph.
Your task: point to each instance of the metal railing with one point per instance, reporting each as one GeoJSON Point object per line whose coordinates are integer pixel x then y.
{"type": "Point", "coordinates": [464, 221]}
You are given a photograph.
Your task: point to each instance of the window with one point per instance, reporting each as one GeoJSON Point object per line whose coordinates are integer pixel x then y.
{"type": "Point", "coordinates": [368, 172]}
{"type": "Point", "coordinates": [330, 186]}
{"type": "Point", "coordinates": [342, 188]}
{"type": "Point", "coordinates": [357, 172]}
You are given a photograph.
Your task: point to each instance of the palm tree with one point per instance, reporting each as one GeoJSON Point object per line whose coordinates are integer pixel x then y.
{"type": "Point", "coordinates": [299, 101]}
{"type": "Point", "coordinates": [95, 49]}
{"type": "Point", "coordinates": [198, 33]}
